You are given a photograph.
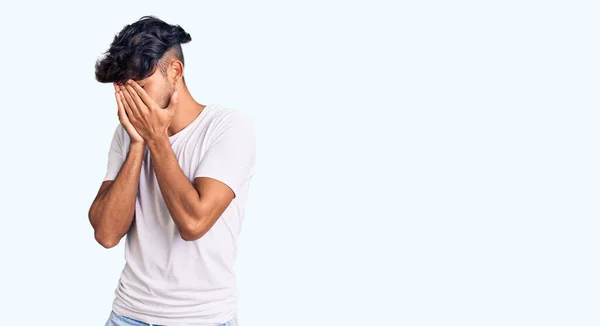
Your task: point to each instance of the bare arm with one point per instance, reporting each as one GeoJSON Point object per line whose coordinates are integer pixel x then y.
{"type": "Point", "coordinates": [194, 208]}
{"type": "Point", "coordinates": [113, 209]}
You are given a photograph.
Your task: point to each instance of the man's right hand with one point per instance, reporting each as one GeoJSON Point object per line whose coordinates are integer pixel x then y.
{"type": "Point", "coordinates": [134, 136]}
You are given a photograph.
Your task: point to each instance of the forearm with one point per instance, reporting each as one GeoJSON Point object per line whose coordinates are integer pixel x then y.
{"type": "Point", "coordinates": [180, 196]}
{"type": "Point", "coordinates": [112, 212]}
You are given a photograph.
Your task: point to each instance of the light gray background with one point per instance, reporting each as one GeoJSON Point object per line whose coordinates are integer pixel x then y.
{"type": "Point", "coordinates": [419, 162]}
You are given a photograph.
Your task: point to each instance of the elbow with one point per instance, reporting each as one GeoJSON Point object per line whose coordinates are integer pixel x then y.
{"type": "Point", "coordinates": [192, 233]}
{"type": "Point", "coordinates": [106, 241]}
{"type": "Point", "coordinates": [191, 236]}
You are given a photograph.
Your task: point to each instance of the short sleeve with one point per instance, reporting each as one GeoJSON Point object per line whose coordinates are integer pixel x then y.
{"type": "Point", "coordinates": [231, 155]}
{"type": "Point", "coordinates": [116, 154]}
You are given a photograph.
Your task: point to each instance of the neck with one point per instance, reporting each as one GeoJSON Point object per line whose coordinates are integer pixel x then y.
{"type": "Point", "coordinates": [186, 111]}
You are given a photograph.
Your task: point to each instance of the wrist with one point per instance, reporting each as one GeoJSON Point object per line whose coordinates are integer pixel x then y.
{"type": "Point", "coordinates": [157, 141]}
{"type": "Point", "coordinates": [137, 146]}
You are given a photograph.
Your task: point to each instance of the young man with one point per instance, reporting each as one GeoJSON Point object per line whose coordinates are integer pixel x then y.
{"type": "Point", "coordinates": [176, 184]}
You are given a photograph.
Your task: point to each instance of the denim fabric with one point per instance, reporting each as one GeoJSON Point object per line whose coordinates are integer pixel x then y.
{"type": "Point", "coordinates": [117, 320]}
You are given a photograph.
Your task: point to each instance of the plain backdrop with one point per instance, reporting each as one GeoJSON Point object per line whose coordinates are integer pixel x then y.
{"type": "Point", "coordinates": [418, 162]}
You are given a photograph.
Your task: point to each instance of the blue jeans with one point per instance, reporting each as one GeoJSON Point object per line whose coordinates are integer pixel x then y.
{"type": "Point", "coordinates": [118, 320]}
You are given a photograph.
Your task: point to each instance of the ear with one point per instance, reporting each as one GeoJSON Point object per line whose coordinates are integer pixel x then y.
{"type": "Point", "coordinates": [176, 70]}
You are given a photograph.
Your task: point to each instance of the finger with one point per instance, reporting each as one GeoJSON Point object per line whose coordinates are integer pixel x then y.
{"type": "Point", "coordinates": [120, 105]}
{"type": "Point", "coordinates": [126, 106]}
{"type": "Point", "coordinates": [129, 101]}
{"type": "Point", "coordinates": [136, 98]}
{"type": "Point", "coordinates": [121, 110]}
{"type": "Point", "coordinates": [141, 93]}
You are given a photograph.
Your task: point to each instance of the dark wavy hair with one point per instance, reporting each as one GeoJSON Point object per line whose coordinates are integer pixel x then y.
{"type": "Point", "coordinates": [139, 49]}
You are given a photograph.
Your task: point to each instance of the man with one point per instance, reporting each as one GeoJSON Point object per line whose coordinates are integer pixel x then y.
{"type": "Point", "coordinates": [176, 183]}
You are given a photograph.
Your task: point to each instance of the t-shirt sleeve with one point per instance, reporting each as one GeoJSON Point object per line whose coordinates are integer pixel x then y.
{"type": "Point", "coordinates": [231, 156]}
{"type": "Point", "coordinates": [116, 154]}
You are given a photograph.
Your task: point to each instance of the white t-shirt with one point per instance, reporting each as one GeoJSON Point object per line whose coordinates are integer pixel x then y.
{"type": "Point", "coordinates": [167, 280]}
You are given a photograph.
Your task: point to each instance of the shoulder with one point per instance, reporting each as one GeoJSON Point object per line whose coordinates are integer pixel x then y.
{"type": "Point", "coordinates": [121, 137]}
{"type": "Point", "coordinates": [118, 133]}
{"type": "Point", "coordinates": [230, 119]}
{"type": "Point", "coordinates": [118, 129]}
{"type": "Point", "coordinates": [225, 113]}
